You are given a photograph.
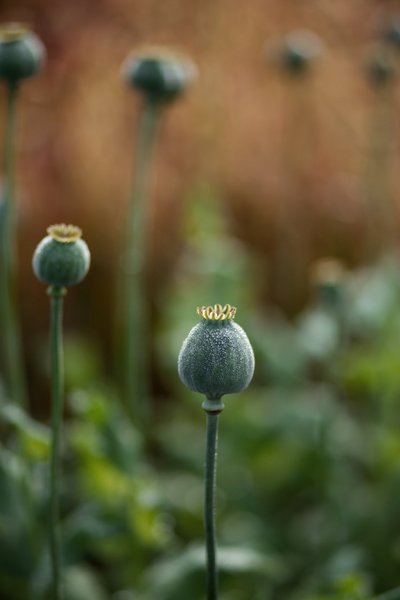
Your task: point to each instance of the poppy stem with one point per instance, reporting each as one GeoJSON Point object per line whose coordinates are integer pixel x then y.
{"type": "Point", "coordinates": [137, 314]}
{"type": "Point", "coordinates": [212, 409]}
{"type": "Point", "coordinates": [9, 326]}
{"type": "Point", "coordinates": [56, 294]}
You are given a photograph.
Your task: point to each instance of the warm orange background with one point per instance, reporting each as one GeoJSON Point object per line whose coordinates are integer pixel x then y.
{"type": "Point", "coordinates": [291, 159]}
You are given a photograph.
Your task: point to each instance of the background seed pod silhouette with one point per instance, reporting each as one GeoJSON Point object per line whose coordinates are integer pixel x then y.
{"type": "Point", "coordinates": [158, 73]}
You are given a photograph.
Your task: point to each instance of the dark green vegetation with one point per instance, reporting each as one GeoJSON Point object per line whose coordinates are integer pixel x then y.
{"type": "Point", "coordinates": [309, 476]}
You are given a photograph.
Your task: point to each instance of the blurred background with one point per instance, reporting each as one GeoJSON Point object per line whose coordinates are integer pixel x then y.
{"type": "Point", "coordinates": [275, 189]}
{"type": "Point", "coordinates": [286, 159]}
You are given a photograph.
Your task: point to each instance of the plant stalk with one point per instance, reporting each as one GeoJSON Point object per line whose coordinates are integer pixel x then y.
{"type": "Point", "coordinates": [137, 314]}
{"type": "Point", "coordinates": [9, 326]}
{"type": "Point", "coordinates": [380, 212]}
{"type": "Point", "coordinates": [57, 383]}
{"type": "Point", "coordinates": [210, 503]}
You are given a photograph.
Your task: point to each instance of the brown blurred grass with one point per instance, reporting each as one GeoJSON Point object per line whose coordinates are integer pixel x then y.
{"type": "Point", "coordinates": [289, 157]}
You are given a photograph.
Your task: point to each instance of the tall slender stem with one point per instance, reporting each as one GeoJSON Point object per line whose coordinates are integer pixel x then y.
{"type": "Point", "coordinates": [11, 350]}
{"type": "Point", "coordinates": [210, 504]}
{"type": "Point", "coordinates": [380, 211]}
{"type": "Point", "coordinates": [57, 384]}
{"type": "Point", "coordinates": [137, 316]}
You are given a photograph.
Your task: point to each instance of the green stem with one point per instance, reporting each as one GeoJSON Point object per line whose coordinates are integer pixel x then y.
{"type": "Point", "coordinates": [212, 408]}
{"type": "Point", "coordinates": [11, 350]}
{"type": "Point", "coordinates": [56, 294]}
{"type": "Point", "coordinates": [137, 315]}
{"type": "Point", "coordinates": [380, 213]}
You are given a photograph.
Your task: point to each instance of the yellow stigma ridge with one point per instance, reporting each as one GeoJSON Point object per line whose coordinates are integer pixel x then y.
{"type": "Point", "coordinates": [66, 234]}
{"type": "Point", "coordinates": [11, 32]}
{"type": "Point", "coordinates": [217, 312]}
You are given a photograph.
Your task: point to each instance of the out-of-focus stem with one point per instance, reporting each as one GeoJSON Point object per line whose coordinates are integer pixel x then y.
{"type": "Point", "coordinates": [9, 327]}
{"type": "Point", "coordinates": [137, 314]}
{"type": "Point", "coordinates": [210, 478]}
{"type": "Point", "coordinates": [380, 213]}
{"type": "Point", "coordinates": [291, 223]}
{"type": "Point", "coordinates": [57, 384]}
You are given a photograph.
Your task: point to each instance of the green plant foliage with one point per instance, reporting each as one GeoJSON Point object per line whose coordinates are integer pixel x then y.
{"type": "Point", "coordinates": [243, 570]}
{"type": "Point", "coordinates": [22, 535]}
{"type": "Point", "coordinates": [309, 470]}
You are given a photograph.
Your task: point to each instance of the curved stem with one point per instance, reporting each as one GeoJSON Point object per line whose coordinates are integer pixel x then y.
{"type": "Point", "coordinates": [57, 384]}
{"type": "Point", "coordinates": [11, 350]}
{"type": "Point", "coordinates": [137, 317]}
{"type": "Point", "coordinates": [210, 504]}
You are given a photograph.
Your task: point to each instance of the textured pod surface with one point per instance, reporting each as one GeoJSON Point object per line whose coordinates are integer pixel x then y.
{"type": "Point", "coordinates": [21, 53]}
{"type": "Point", "coordinates": [61, 263]}
{"type": "Point", "coordinates": [216, 359]}
{"type": "Point", "coordinates": [159, 74]}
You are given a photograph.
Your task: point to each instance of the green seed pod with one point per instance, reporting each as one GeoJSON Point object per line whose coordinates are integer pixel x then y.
{"type": "Point", "coordinates": [328, 277]}
{"type": "Point", "coordinates": [158, 73]}
{"type": "Point", "coordinates": [391, 31]}
{"type": "Point", "coordinates": [21, 52]}
{"type": "Point", "coordinates": [380, 68]}
{"type": "Point", "coordinates": [298, 50]}
{"type": "Point", "coordinates": [216, 358]}
{"type": "Point", "coordinates": [62, 258]}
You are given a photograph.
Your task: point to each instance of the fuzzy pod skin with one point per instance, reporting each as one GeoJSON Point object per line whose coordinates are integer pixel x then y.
{"type": "Point", "coordinates": [21, 53]}
{"type": "Point", "coordinates": [159, 74]}
{"type": "Point", "coordinates": [61, 259]}
{"type": "Point", "coordinates": [216, 358]}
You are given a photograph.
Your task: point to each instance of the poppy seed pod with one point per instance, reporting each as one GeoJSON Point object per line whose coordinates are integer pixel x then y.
{"type": "Point", "coordinates": [329, 278]}
{"type": "Point", "coordinates": [381, 69]}
{"type": "Point", "coordinates": [62, 258]}
{"type": "Point", "coordinates": [21, 52]}
{"type": "Point", "coordinates": [299, 49]}
{"type": "Point", "coordinates": [216, 358]}
{"type": "Point", "coordinates": [391, 31]}
{"type": "Point", "coordinates": [158, 73]}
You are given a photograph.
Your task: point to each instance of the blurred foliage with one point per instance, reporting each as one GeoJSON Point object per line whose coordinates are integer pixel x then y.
{"type": "Point", "coordinates": [309, 461]}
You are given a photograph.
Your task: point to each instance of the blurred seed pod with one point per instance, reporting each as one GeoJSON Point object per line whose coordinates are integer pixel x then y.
{"type": "Point", "coordinates": [297, 50]}
{"type": "Point", "coordinates": [391, 31]}
{"type": "Point", "coordinates": [159, 73]}
{"type": "Point", "coordinates": [380, 67]}
{"type": "Point", "coordinates": [21, 52]}
{"type": "Point", "coordinates": [62, 258]}
{"type": "Point", "coordinates": [328, 276]}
